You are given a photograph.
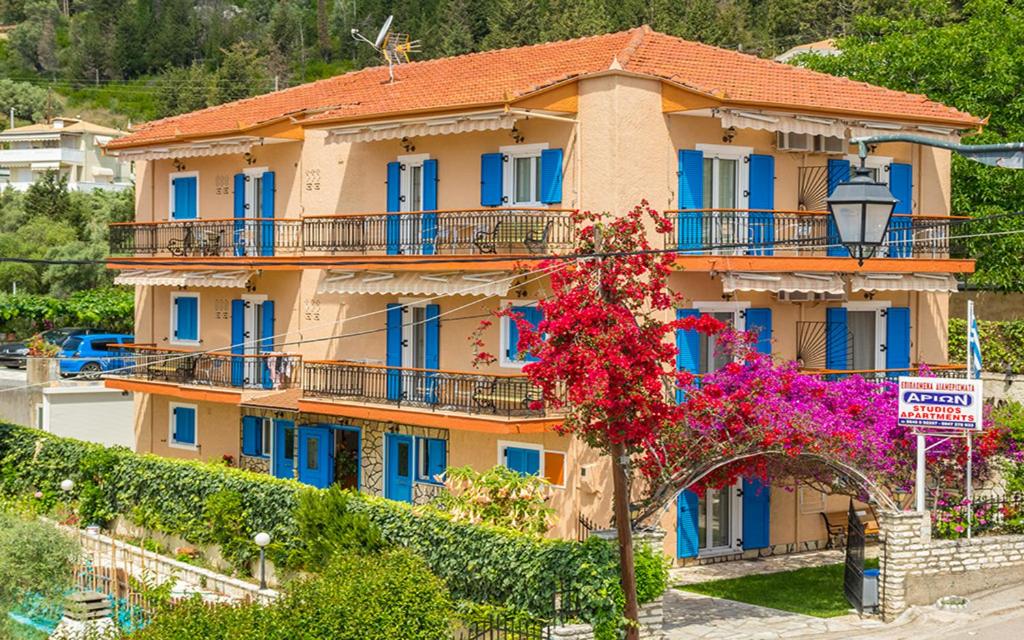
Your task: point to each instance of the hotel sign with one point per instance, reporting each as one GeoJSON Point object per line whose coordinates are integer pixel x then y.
{"type": "Point", "coordinates": [940, 403]}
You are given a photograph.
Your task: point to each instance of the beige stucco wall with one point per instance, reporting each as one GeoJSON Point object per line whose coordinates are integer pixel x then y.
{"type": "Point", "coordinates": [217, 428]}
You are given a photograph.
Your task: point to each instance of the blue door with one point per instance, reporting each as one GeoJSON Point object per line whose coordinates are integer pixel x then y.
{"type": "Point", "coordinates": [398, 467]}
{"type": "Point", "coordinates": [315, 456]}
{"type": "Point", "coordinates": [284, 449]}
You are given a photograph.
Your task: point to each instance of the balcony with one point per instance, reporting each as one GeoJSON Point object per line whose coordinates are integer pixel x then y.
{"type": "Point", "coordinates": [764, 232]}
{"type": "Point", "coordinates": [50, 155]}
{"type": "Point", "coordinates": [933, 370]}
{"type": "Point", "coordinates": [480, 394]}
{"type": "Point", "coordinates": [267, 371]}
{"type": "Point", "coordinates": [459, 232]}
{"type": "Point", "coordinates": [226, 237]}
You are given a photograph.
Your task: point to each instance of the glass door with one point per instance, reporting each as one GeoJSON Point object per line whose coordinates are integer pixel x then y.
{"type": "Point", "coordinates": [716, 520]}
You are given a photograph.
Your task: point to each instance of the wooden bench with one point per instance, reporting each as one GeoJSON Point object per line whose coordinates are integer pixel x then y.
{"type": "Point", "coordinates": [511, 393]}
{"type": "Point", "coordinates": [533, 234]}
{"type": "Point", "coordinates": [836, 523]}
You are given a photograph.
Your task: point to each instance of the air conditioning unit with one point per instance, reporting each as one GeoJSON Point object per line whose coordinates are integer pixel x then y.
{"type": "Point", "coordinates": [787, 141]}
{"type": "Point", "coordinates": [808, 296]}
{"type": "Point", "coordinates": [829, 144]}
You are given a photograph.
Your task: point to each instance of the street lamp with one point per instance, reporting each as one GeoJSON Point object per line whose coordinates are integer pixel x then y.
{"type": "Point", "coordinates": [67, 485]}
{"type": "Point", "coordinates": [262, 539]}
{"type": "Point", "coordinates": [861, 209]}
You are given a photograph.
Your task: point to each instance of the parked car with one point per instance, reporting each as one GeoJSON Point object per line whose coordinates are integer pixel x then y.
{"type": "Point", "coordinates": [13, 354]}
{"type": "Point", "coordinates": [90, 355]}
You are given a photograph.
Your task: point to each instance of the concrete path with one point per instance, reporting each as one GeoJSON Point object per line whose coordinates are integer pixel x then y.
{"type": "Point", "coordinates": [691, 616]}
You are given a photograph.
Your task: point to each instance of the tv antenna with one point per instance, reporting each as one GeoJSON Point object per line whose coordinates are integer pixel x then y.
{"type": "Point", "coordinates": [392, 46]}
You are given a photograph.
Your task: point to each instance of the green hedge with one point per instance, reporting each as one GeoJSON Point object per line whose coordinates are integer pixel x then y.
{"type": "Point", "coordinates": [479, 563]}
{"type": "Point", "coordinates": [25, 314]}
{"type": "Point", "coordinates": [1002, 344]}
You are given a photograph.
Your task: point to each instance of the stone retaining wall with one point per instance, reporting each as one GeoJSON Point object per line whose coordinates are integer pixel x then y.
{"type": "Point", "coordinates": [652, 619]}
{"type": "Point", "coordinates": [915, 569]}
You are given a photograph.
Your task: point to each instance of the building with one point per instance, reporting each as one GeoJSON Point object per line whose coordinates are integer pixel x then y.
{"type": "Point", "coordinates": [70, 146]}
{"type": "Point", "coordinates": [339, 241]}
{"type": "Point", "coordinates": [820, 48]}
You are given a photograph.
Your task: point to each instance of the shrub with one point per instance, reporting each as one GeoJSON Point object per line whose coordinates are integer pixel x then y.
{"type": "Point", "coordinates": [1002, 344]}
{"type": "Point", "coordinates": [355, 597]}
{"type": "Point", "coordinates": [651, 573]}
{"type": "Point", "coordinates": [498, 496]}
{"type": "Point", "coordinates": [327, 527]}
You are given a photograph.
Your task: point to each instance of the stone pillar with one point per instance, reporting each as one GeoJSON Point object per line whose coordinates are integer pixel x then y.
{"type": "Point", "coordinates": [569, 632]}
{"type": "Point", "coordinates": [901, 536]}
{"type": "Point", "coordinates": [652, 614]}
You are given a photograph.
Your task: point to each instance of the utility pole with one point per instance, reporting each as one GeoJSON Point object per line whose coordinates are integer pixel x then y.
{"type": "Point", "coordinates": [620, 486]}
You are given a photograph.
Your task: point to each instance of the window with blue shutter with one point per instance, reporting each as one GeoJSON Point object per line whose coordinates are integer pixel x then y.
{"type": "Point", "coordinates": [186, 318]}
{"type": "Point", "coordinates": [897, 339]}
{"type": "Point", "coordinates": [534, 316]}
{"type": "Point", "coordinates": [551, 176]}
{"type": "Point", "coordinates": [492, 169]}
{"type": "Point", "coordinates": [900, 236]}
{"type": "Point", "coordinates": [428, 229]}
{"type": "Point", "coordinates": [239, 210]}
{"type": "Point", "coordinates": [393, 356]}
{"type": "Point", "coordinates": [524, 461]}
{"type": "Point", "coordinates": [761, 228]}
{"type": "Point", "coordinates": [836, 339]}
{"type": "Point", "coordinates": [433, 459]}
{"type": "Point", "coordinates": [838, 172]}
{"type": "Point", "coordinates": [687, 533]}
{"type": "Point", "coordinates": [431, 350]}
{"type": "Point", "coordinates": [183, 426]}
{"type": "Point", "coordinates": [690, 233]}
{"type": "Point", "coordinates": [186, 198]}
{"type": "Point", "coordinates": [756, 514]}
{"type": "Point", "coordinates": [687, 349]}
{"type": "Point", "coordinates": [760, 321]}
{"type": "Point", "coordinates": [238, 342]}
{"type": "Point", "coordinates": [252, 436]}
{"type": "Point", "coordinates": [393, 225]}
{"type": "Point", "coordinates": [266, 213]}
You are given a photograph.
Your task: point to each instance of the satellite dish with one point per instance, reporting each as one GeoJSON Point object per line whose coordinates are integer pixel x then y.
{"type": "Point", "coordinates": [383, 32]}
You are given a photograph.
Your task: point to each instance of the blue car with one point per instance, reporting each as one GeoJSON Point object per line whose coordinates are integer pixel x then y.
{"type": "Point", "coordinates": [88, 356]}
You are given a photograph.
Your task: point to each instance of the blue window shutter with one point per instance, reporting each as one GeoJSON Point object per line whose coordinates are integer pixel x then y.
{"type": "Point", "coordinates": [393, 357]}
{"type": "Point", "coordinates": [761, 321]}
{"type": "Point", "coordinates": [437, 457]}
{"type": "Point", "coordinates": [687, 539]}
{"type": "Point", "coordinates": [523, 461]}
{"type": "Point", "coordinates": [432, 329]}
{"type": "Point", "coordinates": [534, 316]}
{"type": "Point", "coordinates": [551, 176]}
{"type": "Point", "coordinates": [691, 196]}
{"type": "Point", "coordinates": [897, 338]}
{"type": "Point", "coordinates": [252, 434]}
{"type": "Point", "coordinates": [239, 198]}
{"type": "Point", "coordinates": [267, 214]}
{"type": "Point", "coordinates": [187, 314]}
{"type": "Point", "coordinates": [836, 332]}
{"type": "Point", "coordinates": [492, 168]}
{"type": "Point", "coordinates": [838, 171]}
{"type": "Point", "coordinates": [185, 425]}
{"type": "Point", "coordinates": [237, 342]}
{"type": "Point", "coordinates": [901, 184]}
{"type": "Point", "coordinates": [761, 229]}
{"type": "Point", "coordinates": [184, 198]}
{"type": "Point", "coordinates": [688, 349]}
{"type": "Point", "coordinates": [756, 514]}
{"type": "Point", "coordinates": [428, 230]}
{"type": "Point", "coordinates": [394, 186]}
{"type": "Point", "coordinates": [266, 342]}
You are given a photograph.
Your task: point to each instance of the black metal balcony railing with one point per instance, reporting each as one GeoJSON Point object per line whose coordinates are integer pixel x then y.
{"type": "Point", "coordinates": [472, 393]}
{"type": "Point", "coordinates": [762, 232]}
{"type": "Point", "coordinates": [207, 238]}
{"type": "Point", "coordinates": [463, 231]}
{"type": "Point", "coordinates": [259, 371]}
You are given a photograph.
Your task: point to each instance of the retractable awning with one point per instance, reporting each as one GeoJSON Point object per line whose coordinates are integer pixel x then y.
{"type": "Point", "coordinates": [813, 125]}
{"type": "Point", "coordinates": [828, 283]}
{"type": "Point", "coordinates": [168, 278]}
{"type": "Point", "coordinates": [925, 282]}
{"type": "Point", "coordinates": [410, 284]}
{"type": "Point", "coordinates": [199, 149]}
{"type": "Point", "coordinates": [371, 132]}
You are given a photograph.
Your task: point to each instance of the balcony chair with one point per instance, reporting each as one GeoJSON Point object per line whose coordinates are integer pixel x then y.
{"type": "Point", "coordinates": [836, 532]}
{"type": "Point", "coordinates": [533, 234]}
{"type": "Point", "coordinates": [208, 243]}
{"type": "Point", "coordinates": [510, 394]}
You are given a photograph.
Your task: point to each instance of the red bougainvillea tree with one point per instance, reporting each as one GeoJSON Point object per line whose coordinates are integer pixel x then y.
{"type": "Point", "coordinates": [605, 356]}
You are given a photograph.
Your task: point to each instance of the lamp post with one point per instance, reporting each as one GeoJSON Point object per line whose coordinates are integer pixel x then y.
{"type": "Point", "coordinates": [262, 539]}
{"type": "Point", "coordinates": [861, 210]}
{"type": "Point", "coordinates": [67, 485]}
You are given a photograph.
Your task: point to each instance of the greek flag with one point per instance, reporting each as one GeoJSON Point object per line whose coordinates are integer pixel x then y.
{"type": "Point", "coordinates": [973, 343]}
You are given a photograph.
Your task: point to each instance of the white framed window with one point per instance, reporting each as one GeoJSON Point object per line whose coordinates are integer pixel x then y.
{"type": "Point", "coordinates": [254, 191]}
{"type": "Point", "coordinates": [184, 320]}
{"type": "Point", "coordinates": [171, 196]}
{"type": "Point", "coordinates": [533, 459]}
{"type": "Point", "coordinates": [411, 183]}
{"type": "Point", "coordinates": [726, 177]}
{"type": "Point", "coordinates": [720, 520]}
{"type": "Point", "coordinates": [879, 166]}
{"type": "Point", "coordinates": [521, 177]}
{"type": "Point", "coordinates": [733, 313]}
{"type": "Point", "coordinates": [267, 438]}
{"type": "Point", "coordinates": [509, 356]}
{"type": "Point", "coordinates": [183, 427]}
{"type": "Point", "coordinates": [866, 323]}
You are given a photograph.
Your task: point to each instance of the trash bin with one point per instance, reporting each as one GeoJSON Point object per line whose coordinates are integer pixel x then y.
{"type": "Point", "coordinates": [869, 593]}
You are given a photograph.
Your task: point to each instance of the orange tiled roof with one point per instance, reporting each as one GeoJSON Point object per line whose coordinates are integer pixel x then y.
{"type": "Point", "coordinates": [499, 77]}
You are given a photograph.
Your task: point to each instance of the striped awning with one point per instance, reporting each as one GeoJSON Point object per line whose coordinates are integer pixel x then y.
{"type": "Point", "coordinates": [168, 278]}
{"type": "Point", "coordinates": [199, 149]}
{"type": "Point", "coordinates": [924, 282]}
{"type": "Point", "coordinates": [412, 284]}
{"type": "Point", "coordinates": [371, 132]}
{"type": "Point", "coordinates": [827, 283]}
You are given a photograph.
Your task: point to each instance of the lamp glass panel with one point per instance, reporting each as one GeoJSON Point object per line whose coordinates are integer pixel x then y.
{"type": "Point", "coordinates": [876, 221]}
{"type": "Point", "coordinates": [847, 215]}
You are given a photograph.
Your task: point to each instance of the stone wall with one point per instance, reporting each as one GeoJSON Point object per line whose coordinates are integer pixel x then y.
{"type": "Point", "coordinates": [652, 617]}
{"type": "Point", "coordinates": [917, 570]}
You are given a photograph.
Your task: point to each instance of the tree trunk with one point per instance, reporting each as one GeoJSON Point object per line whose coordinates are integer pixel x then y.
{"type": "Point", "coordinates": [323, 38]}
{"type": "Point", "coordinates": [624, 530]}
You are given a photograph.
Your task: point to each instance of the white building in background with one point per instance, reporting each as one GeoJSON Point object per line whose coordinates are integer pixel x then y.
{"type": "Point", "coordinates": [819, 48]}
{"type": "Point", "coordinates": [70, 146]}
{"type": "Point", "coordinates": [88, 411]}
